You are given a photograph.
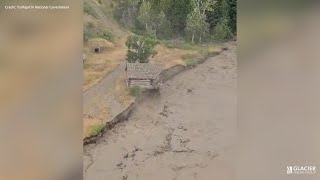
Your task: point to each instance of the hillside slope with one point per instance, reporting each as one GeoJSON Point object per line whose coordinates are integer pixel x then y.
{"type": "Point", "coordinates": [97, 66]}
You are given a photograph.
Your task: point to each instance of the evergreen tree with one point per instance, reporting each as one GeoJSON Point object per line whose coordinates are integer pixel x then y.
{"type": "Point", "coordinates": [233, 15]}
{"type": "Point", "coordinates": [191, 18]}
{"type": "Point", "coordinates": [222, 30]}
{"type": "Point", "coordinates": [125, 11]}
{"type": "Point", "coordinates": [177, 14]}
{"type": "Point", "coordinates": [144, 15]}
{"type": "Point", "coordinates": [164, 30]}
{"type": "Point", "coordinates": [165, 5]}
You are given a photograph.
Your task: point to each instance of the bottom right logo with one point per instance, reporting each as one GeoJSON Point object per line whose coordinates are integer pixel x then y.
{"type": "Point", "coordinates": [301, 169]}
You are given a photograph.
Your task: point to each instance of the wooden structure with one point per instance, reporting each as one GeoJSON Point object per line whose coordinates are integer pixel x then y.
{"type": "Point", "coordinates": [99, 45]}
{"type": "Point", "coordinates": [144, 75]}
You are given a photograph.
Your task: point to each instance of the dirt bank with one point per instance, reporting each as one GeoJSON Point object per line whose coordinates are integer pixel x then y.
{"type": "Point", "coordinates": [186, 132]}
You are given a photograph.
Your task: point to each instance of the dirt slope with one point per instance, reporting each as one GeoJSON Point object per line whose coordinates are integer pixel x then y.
{"type": "Point", "coordinates": [187, 132]}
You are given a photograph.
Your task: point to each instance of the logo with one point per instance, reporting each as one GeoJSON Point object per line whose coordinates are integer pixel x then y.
{"type": "Point", "coordinates": [301, 169]}
{"type": "Point", "coordinates": [289, 169]}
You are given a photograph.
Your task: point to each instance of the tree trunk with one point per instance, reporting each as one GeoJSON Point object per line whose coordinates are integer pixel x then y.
{"type": "Point", "coordinates": [192, 38]}
{"type": "Point", "coordinates": [200, 39]}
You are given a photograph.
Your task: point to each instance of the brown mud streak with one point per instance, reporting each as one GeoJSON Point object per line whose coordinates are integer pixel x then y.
{"type": "Point", "coordinates": [165, 75]}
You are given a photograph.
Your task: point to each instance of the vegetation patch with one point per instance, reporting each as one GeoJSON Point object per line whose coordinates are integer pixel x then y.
{"type": "Point", "coordinates": [95, 129]}
{"type": "Point", "coordinates": [202, 53]}
{"type": "Point", "coordinates": [135, 91]}
{"type": "Point", "coordinates": [197, 21]}
{"type": "Point", "coordinates": [88, 9]}
{"type": "Point", "coordinates": [140, 48]}
{"type": "Point", "coordinates": [179, 44]}
{"type": "Point", "coordinates": [91, 31]}
{"type": "Point", "coordinates": [190, 60]}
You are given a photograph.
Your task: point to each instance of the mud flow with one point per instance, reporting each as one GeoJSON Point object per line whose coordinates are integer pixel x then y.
{"type": "Point", "coordinates": [187, 131]}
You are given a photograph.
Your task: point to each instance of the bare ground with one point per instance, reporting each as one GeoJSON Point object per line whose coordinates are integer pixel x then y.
{"type": "Point", "coordinates": [186, 132]}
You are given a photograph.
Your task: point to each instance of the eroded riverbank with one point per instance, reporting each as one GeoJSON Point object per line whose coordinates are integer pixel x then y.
{"type": "Point", "coordinates": [186, 132]}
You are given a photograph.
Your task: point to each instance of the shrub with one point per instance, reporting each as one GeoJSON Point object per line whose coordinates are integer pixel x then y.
{"type": "Point", "coordinates": [86, 35]}
{"type": "Point", "coordinates": [87, 9]}
{"type": "Point", "coordinates": [105, 34]}
{"type": "Point", "coordinates": [91, 31]}
{"type": "Point", "coordinates": [91, 25]}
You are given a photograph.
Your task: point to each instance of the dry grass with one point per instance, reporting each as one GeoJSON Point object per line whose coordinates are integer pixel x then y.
{"type": "Point", "coordinates": [97, 66]}
{"type": "Point", "coordinates": [121, 92]}
{"type": "Point", "coordinates": [90, 124]}
{"type": "Point", "coordinates": [172, 56]}
{"type": "Point", "coordinates": [89, 19]}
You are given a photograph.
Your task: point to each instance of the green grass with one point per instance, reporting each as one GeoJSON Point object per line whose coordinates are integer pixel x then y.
{"type": "Point", "coordinates": [203, 53]}
{"type": "Point", "coordinates": [135, 91]}
{"type": "Point", "coordinates": [180, 45]}
{"type": "Point", "coordinates": [193, 59]}
{"type": "Point", "coordinates": [96, 129]}
{"type": "Point", "coordinates": [190, 60]}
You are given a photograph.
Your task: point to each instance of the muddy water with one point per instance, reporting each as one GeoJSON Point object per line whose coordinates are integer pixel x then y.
{"type": "Point", "coordinates": [186, 132]}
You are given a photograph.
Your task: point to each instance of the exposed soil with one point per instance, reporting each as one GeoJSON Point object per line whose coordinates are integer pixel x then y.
{"type": "Point", "coordinates": [185, 132]}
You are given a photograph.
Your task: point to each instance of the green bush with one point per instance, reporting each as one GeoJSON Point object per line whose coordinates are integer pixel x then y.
{"type": "Point", "coordinates": [105, 34]}
{"type": "Point", "coordinates": [91, 31]}
{"type": "Point", "coordinates": [87, 9]}
{"type": "Point", "coordinates": [135, 91]}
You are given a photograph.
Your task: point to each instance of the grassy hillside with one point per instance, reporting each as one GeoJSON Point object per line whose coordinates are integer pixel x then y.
{"type": "Point", "coordinates": [97, 24]}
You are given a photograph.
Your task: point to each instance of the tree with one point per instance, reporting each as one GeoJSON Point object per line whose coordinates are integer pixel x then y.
{"type": "Point", "coordinates": [144, 15]}
{"type": "Point", "coordinates": [225, 9]}
{"type": "Point", "coordinates": [222, 30]}
{"type": "Point", "coordinates": [125, 11]}
{"type": "Point", "coordinates": [177, 14]}
{"type": "Point", "coordinates": [140, 48]}
{"type": "Point", "coordinates": [193, 22]}
{"type": "Point", "coordinates": [233, 16]}
{"type": "Point", "coordinates": [196, 21]}
{"type": "Point", "coordinates": [164, 30]}
{"type": "Point", "coordinates": [165, 5]}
